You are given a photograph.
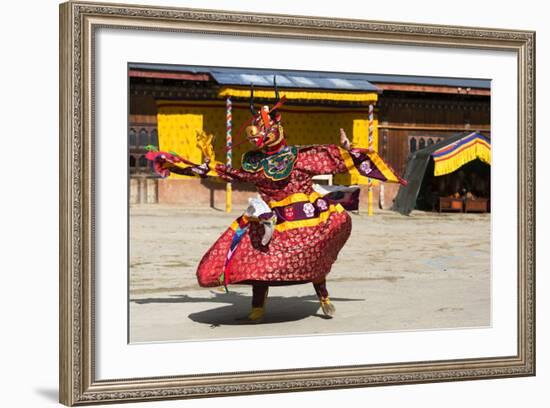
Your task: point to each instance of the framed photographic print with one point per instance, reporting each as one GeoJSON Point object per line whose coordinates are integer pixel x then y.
{"type": "Point", "coordinates": [261, 203]}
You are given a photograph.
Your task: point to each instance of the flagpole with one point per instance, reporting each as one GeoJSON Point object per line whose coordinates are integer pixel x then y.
{"type": "Point", "coordinates": [229, 150]}
{"type": "Point", "coordinates": [371, 134]}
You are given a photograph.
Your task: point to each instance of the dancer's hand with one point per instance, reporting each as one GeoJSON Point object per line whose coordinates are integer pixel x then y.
{"type": "Point", "coordinates": [344, 141]}
{"type": "Point", "coordinates": [164, 164]}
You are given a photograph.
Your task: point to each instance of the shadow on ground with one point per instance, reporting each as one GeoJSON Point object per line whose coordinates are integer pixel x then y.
{"type": "Point", "coordinates": [279, 309]}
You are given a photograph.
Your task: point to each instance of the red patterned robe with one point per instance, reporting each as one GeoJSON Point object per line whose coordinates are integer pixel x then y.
{"type": "Point", "coordinates": [310, 230]}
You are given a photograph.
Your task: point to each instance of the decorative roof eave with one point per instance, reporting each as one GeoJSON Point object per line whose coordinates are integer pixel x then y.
{"type": "Point", "coordinates": [300, 94]}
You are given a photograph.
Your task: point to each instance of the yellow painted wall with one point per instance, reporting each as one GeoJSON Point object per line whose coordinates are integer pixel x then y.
{"type": "Point", "coordinates": [178, 125]}
{"type": "Point", "coordinates": [177, 129]}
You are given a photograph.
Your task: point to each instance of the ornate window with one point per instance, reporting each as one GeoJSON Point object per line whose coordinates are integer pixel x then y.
{"type": "Point", "coordinates": [420, 142]}
{"type": "Point", "coordinates": [154, 137]}
{"type": "Point", "coordinates": [143, 137]}
{"type": "Point", "coordinates": [412, 145]}
{"type": "Point", "coordinates": [142, 162]}
{"type": "Point", "coordinates": [132, 138]}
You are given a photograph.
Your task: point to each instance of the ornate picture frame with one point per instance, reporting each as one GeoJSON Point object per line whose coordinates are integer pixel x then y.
{"type": "Point", "coordinates": [78, 25]}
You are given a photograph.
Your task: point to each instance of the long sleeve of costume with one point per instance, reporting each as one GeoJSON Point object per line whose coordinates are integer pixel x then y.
{"type": "Point", "coordinates": [232, 174]}
{"type": "Point", "coordinates": [198, 171]}
{"type": "Point", "coordinates": [165, 163]}
{"type": "Point", "coordinates": [321, 159]}
{"type": "Point", "coordinates": [215, 169]}
{"type": "Point", "coordinates": [332, 159]}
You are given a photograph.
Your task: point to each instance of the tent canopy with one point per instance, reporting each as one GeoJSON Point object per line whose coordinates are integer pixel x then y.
{"type": "Point", "coordinates": [448, 155]}
{"type": "Point", "coordinates": [455, 155]}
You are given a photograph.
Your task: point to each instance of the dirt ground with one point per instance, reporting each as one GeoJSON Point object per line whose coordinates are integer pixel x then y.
{"type": "Point", "coordinates": [425, 271]}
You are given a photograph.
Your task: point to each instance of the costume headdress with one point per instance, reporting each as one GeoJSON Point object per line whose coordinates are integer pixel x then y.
{"type": "Point", "coordinates": [266, 131]}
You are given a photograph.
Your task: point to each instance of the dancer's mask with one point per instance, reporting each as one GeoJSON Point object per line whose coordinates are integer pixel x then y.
{"type": "Point", "coordinates": [266, 131]}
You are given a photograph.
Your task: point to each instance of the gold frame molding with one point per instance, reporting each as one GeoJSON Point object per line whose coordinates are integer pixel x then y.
{"type": "Point", "coordinates": [78, 22]}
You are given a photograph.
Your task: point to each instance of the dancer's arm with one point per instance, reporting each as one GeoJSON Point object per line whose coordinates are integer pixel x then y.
{"type": "Point", "coordinates": [332, 159]}
{"type": "Point", "coordinates": [165, 163]}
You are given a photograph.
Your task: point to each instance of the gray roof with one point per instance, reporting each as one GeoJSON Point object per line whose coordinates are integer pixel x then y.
{"type": "Point", "coordinates": [264, 78]}
{"type": "Point", "coordinates": [294, 80]}
{"type": "Point", "coordinates": [312, 79]}
{"type": "Point", "coordinates": [426, 80]}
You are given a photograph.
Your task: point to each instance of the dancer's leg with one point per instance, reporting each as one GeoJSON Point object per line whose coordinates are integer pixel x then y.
{"type": "Point", "coordinates": [259, 297]}
{"type": "Point", "coordinates": [321, 288]}
{"type": "Point", "coordinates": [322, 293]}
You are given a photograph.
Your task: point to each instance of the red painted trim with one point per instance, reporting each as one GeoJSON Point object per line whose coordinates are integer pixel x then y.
{"type": "Point", "coordinates": [168, 75]}
{"type": "Point", "coordinates": [433, 89]}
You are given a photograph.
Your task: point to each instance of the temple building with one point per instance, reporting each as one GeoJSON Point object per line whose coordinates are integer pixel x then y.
{"type": "Point", "coordinates": [395, 115]}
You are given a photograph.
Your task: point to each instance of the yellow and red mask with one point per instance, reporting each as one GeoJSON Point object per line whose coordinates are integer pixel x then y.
{"type": "Point", "coordinates": [266, 131]}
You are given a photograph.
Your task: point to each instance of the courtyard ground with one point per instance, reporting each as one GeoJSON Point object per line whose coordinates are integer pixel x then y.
{"type": "Point", "coordinates": [419, 272]}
